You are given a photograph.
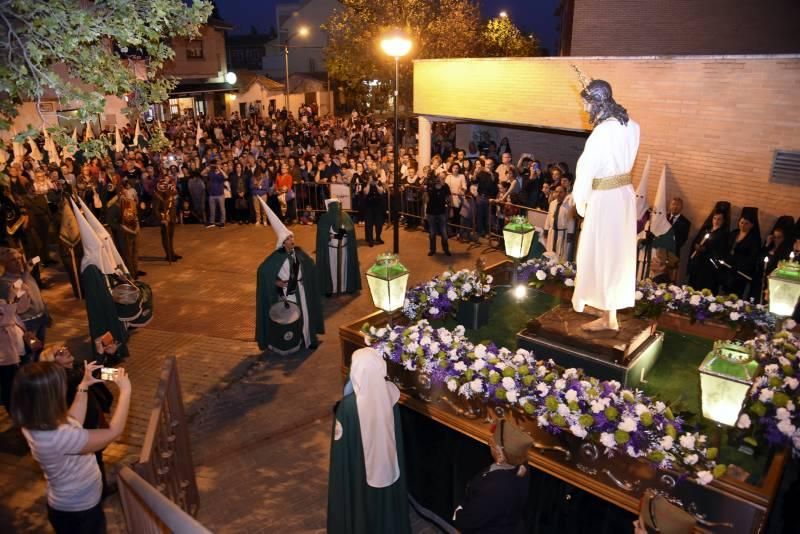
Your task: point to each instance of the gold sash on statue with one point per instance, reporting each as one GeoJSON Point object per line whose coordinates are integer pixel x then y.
{"type": "Point", "coordinates": [611, 182]}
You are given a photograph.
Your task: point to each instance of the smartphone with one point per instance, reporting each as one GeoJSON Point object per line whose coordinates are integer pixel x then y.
{"type": "Point", "coordinates": [109, 374]}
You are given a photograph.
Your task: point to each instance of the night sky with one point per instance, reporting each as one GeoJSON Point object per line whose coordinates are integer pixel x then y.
{"type": "Point", "coordinates": [531, 15]}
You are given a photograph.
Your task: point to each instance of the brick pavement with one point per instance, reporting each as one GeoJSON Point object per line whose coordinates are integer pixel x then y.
{"type": "Point", "coordinates": [260, 424]}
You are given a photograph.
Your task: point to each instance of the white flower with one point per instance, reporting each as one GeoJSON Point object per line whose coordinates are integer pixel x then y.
{"type": "Point", "coordinates": [460, 367]}
{"type": "Point", "coordinates": [542, 420]}
{"type": "Point", "coordinates": [789, 324]}
{"type": "Point", "coordinates": [687, 441]}
{"type": "Point", "coordinates": [406, 303]}
{"type": "Point", "coordinates": [434, 347]}
{"type": "Point", "coordinates": [501, 365]}
{"type": "Point", "coordinates": [713, 307]}
{"type": "Point", "coordinates": [412, 347]}
{"type": "Point", "coordinates": [543, 389]}
{"type": "Point", "coordinates": [639, 295]}
{"type": "Point", "coordinates": [563, 410]}
{"type": "Point", "coordinates": [735, 316]}
{"type": "Point", "coordinates": [600, 404]}
{"type": "Point", "coordinates": [704, 477]}
{"type": "Point", "coordinates": [452, 295]}
{"type": "Point", "coordinates": [509, 384]}
{"type": "Point", "coordinates": [570, 373]}
{"type": "Point", "coordinates": [578, 430]}
{"type": "Point", "coordinates": [511, 396]}
{"type": "Point", "coordinates": [518, 359]}
{"type": "Point", "coordinates": [607, 439]}
{"type": "Point", "coordinates": [541, 275]}
{"type": "Point", "coordinates": [744, 421]}
{"type": "Point", "coordinates": [554, 270]}
{"type": "Point", "coordinates": [476, 385]}
{"type": "Point", "coordinates": [569, 282]}
{"type": "Point", "coordinates": [782, 414]}
{"type": "Point", "coordinates": [710, 298]}
{"type": "Point", "coordinates": [640, 409]}
{"type": "Point", "coordinates": [479, 364]}
{"type": "Point", "coordinates": [560, 384]}
{"type": "Point", "coordinates": [459, 331]}
{"type": "Point", "coordinates": [628, 424]}
{"type": "Point", "coordinates": [695, 300]}
{"type": "Point", "coordinates": [660, 407]}
{"type": "Point", "coordinates": [771, 369]}
{"type": "Point", "coordinates": [466, 288]}
{"type": "Point", "coordinates": [690, 459]}
{"type": "Point", "coordinates": [541, 370]}
{"type": "Point", "coordinates": [433, 294]}
{"type": "Point", "coordinates": [433, 310]}
{"type": "Point", "coordinates": [480, 351]}
{"type": "Point", "coordinates": [571, 395]}
{"type": "Point", "coordinates": [765, 395]}
{"type": "Point", "coordinates": [786, 427]}
{"type": "Point", "coordinates": [452, 384]}
{"type": "Point", "coordinates": [667, 442]}
{"type": "Point", "coordinates": [630, 451]}
{"type": "Point", "coordinates": [791, 382]}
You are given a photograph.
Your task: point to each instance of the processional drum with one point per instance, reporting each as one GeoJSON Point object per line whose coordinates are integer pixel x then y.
{"type": "Point", "coordinates": [285, 328]}
{"type": "Point", "coordinates": [134, 303]}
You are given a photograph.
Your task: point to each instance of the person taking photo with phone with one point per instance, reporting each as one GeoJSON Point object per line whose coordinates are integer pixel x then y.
{"type": "Point", "coordinates": [63, 449]}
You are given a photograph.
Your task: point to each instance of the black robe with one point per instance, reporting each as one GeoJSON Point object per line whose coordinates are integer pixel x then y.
{"type": "Point", "coordinates": [702, 272]}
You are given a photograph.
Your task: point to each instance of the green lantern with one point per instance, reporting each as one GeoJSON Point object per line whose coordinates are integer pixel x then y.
{"type": "Point", "coordinates": [726, 375]}
{"type": "Point", "coordinates": [518, 236]}
{"type": "Point", "coordinates": [388, 280]}
{"type": "Point", "coordinates": [784, 288]}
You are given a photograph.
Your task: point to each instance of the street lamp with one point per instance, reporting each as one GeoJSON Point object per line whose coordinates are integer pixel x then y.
{"type": "Point", "coordinates": [396, 45]}
{"type": "Point", "coordinates": [503, 15]}
{"type": "Point", "coordinates": [302, 31]}
{"type": "Point", "coordinates": [388, 280]}
{"type": "Point", "coordinates": [517, 237]}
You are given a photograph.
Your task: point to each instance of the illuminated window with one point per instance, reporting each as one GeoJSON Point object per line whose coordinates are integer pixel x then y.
{"type": "Point", "coordinates": [194, 49]}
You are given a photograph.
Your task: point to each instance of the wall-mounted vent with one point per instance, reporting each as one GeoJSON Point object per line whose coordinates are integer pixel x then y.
{"type": "Point", "coordinates": [786, 168]}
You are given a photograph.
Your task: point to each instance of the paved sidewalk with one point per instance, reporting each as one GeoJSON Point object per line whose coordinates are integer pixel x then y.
{"type": "Point", "coordinates": [260, 424]}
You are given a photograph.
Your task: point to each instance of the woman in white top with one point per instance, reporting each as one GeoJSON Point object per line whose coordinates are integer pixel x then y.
{"type": "Point", "coordinates": [61, 446]}
{"type": "Point", "coordinates": [458, 187]}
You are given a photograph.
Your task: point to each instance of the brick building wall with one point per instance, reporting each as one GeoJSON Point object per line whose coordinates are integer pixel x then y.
{"type": "Point", "coordinates": [715, 122]}
{"type": "Point", "coordinates": [662, 27]}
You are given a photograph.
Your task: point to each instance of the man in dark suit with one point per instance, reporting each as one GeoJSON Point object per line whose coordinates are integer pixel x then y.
{"type": "Point", "coordinates": [680, 229]}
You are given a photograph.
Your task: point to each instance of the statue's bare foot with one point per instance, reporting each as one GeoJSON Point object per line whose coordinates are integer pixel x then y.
{"type": "Point", "coordinates": [600, 325]}
{"type": "Point", "coordinates": [594, 311]}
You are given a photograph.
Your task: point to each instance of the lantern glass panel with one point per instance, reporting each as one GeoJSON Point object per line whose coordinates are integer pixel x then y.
{"type": "Point", "coordinates": [784, 288]}
{"type": "Point", "coordinates": [726, 375]}
{"type": "Point", "coordinates": [518, 236]}
{"type": "Point", "coordinates": [388, 280]}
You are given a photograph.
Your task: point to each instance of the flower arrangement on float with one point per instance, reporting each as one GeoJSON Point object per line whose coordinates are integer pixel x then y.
{"type": "Point", "coordinates": [535, 272]}
{"type": "Point", "coordinates": [439, 297]}
{"type": "Point", "coordinates": [654, 299]}
{"type": "Point", "coordinates": [770, 409]}
{"type": "Point", "coordinates": [564, 401]}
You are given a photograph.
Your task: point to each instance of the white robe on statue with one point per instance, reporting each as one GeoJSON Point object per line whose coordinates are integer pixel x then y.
{"type": "Point", "coordinates": [334, 248]}
{"type": "Point", "coordinates": [606, 259]}
{"type": "Point", "coordinates": [284, 274]}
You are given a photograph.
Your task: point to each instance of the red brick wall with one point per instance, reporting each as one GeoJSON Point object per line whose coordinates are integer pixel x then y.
{"type": "Point", "coordinates": [662, 27]}
{"type": "Point", "coordinates": [715, 122]}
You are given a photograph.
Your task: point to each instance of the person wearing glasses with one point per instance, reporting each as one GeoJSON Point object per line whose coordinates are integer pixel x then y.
{"type": "Point", "coordinates": [496, 499]}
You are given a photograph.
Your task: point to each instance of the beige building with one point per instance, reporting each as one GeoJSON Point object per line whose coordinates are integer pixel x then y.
{"type": "Point", "coordinates": [716, 122]}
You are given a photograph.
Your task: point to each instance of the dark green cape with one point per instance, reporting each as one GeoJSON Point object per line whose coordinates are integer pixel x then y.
{"type": "Point", "coordinates": [353, 506]}
{"type": "Point", "coordinates": [100, 309]}
{"type": "Point", "coordinates": [328, 220]}
{"type": "Point", "coordinates": [267, 294]}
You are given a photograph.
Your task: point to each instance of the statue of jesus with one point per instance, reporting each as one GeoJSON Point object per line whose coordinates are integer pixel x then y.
{"type": "Point", "coordinates": [604, 197]}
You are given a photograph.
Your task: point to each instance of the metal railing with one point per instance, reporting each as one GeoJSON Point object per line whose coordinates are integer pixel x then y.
{"type": "Point", "coordinates": [148, 511]}
{"type": "Point", "coordinates": [166, 457]}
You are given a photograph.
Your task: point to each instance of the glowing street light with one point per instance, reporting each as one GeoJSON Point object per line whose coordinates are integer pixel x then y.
{"type": "Point", "coordinates": [397, 45]}
{"type": "Point", "coordinates": [230, 77]}
{"type": "Point", "coordinates": [503, 15]}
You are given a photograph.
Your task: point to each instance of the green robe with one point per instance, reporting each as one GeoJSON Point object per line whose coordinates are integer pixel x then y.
{"type": "Point", "coordinates": [353, 506]}
{"type": "Point", "coordinates": [334, 219]}
{"type": "Point", "coordinates": [267, 294]}
{"type": "Point", "coordinates": [101, 311]}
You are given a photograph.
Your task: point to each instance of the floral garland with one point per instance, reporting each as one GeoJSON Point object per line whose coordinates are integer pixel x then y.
{"type": "Point", "coordinates": [770, 408]}
{"type": "Point", "coordinates": [562, 400]}
{"type": "Point", "coordinates": [535, 272]}
{"type": "Point", "coordinates": [438, 298]}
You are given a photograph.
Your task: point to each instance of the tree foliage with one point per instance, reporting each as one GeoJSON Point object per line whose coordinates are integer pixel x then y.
{"type": "Point", "coordinates": [438, 29]}
{"type": "Point", "coordinates": [82, 50]}
{"type": "Point", "coordinates": [502, 38]}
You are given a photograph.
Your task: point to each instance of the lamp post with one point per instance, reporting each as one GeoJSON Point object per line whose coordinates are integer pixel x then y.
{"type": "Point", "coordinates": [396, 45]}
{"type": "Point", "coordinates": [302, 31]}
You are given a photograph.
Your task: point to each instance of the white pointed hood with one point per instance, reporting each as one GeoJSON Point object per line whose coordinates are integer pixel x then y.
{"type": "Point", "coordinates": [281, 232]}
{"type": "Point", "coordinates": [375, 400]}
{"type": "Point", "coordinates": [17, 147]}
{"type": "Point", "coordinates": [641, 192]}
{"type": "Point", "coordinates": [659, 224]}
{"type": "Point", "coordinates": [137, 133]}
{"type": "Point", "coordinates": [118, 145]}
{"type": "Point", "coordinates": [69, 150]}
{"type": "Point", "coordinates": [93, 253]}
{"type": "Point", "coordinates": [199, 134]}
{"type": "Point", "coordinates": [50, 148]}
{"type": "Point", "coordinates": [36, 154]}
{"type": "Point", "coordinates": [88, 133]}
{"type": "Point", "coordinates": [109, 249]}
